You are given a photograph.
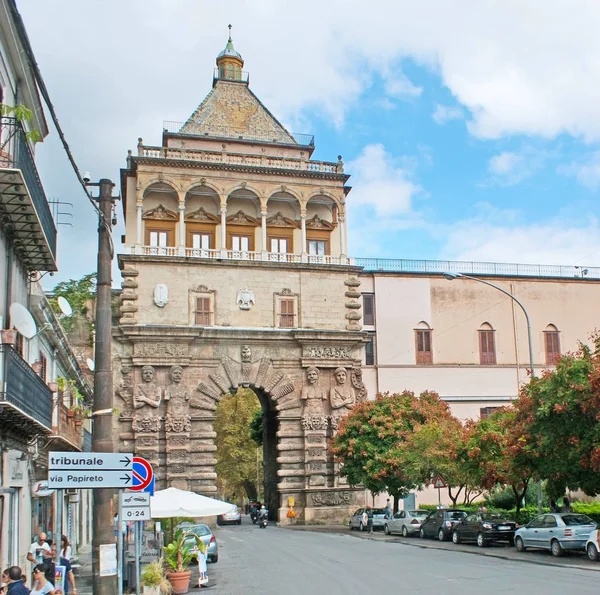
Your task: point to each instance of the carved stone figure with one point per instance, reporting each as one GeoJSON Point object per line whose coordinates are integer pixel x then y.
{"type": "Point", "coordinates": [177, 419]}
{"type": "Point", "coordinates": [313, 395]}
{"type": "Point", "coordinates": [147, 393]}
{"type": "Point", "coordinates": [245, 299]}
{"type": "Point", "coordinates": [125, 391]}
{"type": "Point", "coordinates": [341, 396]}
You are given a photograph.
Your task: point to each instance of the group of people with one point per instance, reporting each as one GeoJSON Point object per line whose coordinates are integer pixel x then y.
{"type": "Point", "coordinates": [367, 515]}
{"type": "Point", "coordinates": [42, 554]}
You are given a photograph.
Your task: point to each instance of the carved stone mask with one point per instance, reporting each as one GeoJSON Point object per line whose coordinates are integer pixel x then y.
{"type": "Point", "coordinates": [246, 353]}
{"type": "Point", "coordinates": [312, 375]}
{"type": "Point", "coordinates": [147, 373]}
{"type": "Point", "coordinates": [176, 373]}
{"type": "Point", "coordinates": [340, 376]}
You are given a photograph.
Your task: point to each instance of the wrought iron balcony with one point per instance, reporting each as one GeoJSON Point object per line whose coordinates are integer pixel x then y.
{"type": "Point", "coordinates": [24, 211]}
{"type": "Point", "coordinates": [25, 399]}
{"type": "Point", "coordinates": [232, 76]}
{"type": "Point", "coordinates": [67, 428]}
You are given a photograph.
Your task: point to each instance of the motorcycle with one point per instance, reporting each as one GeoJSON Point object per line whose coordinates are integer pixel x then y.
{"type": "Point", "coordinates": [263, 523]}
{"type": "Point", "coordinates": [254, 517]}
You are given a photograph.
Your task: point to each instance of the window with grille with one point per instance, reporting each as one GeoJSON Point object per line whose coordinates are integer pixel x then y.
{"type": "Point", "coordinates": [423, 344]}
{"type": "Point", "coordinates": [368, 309]}
{"type": "Point", "coordinates": [487, 411]}
{"type": "Point", "coordinates": [552, 341]}
{"type": "Point", "coordinates": [43, 367]}
{"type": "Point", "coordinates": [487, 347]}
{"type": "Point", "coordinates": [286, 313]}
{"type": "Point", "coordinates": [370, 353]}
{"type": "Point", "coordinates": [203, 314]}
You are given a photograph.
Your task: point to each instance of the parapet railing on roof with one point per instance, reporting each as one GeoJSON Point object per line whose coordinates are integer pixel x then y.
{"type": "Point", "coordinates": [224, 157]}
{"type": "Point", "coordinates": [497, 269]}
{"type": "Point", "coordinates": [304, 140]}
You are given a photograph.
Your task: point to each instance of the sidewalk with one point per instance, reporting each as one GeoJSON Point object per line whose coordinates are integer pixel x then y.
{"type": "Point", "coordinates": [83, 573]}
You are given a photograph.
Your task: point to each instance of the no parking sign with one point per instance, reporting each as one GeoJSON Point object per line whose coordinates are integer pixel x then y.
{"type": "Point", "coordinates": [142, 476]}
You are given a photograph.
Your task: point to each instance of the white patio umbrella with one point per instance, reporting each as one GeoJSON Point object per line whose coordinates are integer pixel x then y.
{"type": "Point", "coordinates": [173, 502]}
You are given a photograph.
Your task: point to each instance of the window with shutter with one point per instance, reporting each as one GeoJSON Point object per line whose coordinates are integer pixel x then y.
{"type": "Point", "coordinates": [203, 313]}
{"type": "Point", "coordinates": [286, 313]}
{"type": "Point", "coordinates": [43, 367]}
{"type": "Point", "coordinates": [423, 344]}
{"type": "Point", "coordinates": [552, 341]}
{"type": "Point", "coordinates": [487, 411]}
{"type": "Point", "coordinates": [487, 347]}
{"type": "Point", "coordinates": [368, 309]}
{"type": "Point", "coordinates": [370, 354]}
{"type": "Point", "coordinates": [20, 344]}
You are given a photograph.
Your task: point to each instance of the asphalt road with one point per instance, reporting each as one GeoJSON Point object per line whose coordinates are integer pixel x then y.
{"type": "Point", "coordinates": [277, 561]}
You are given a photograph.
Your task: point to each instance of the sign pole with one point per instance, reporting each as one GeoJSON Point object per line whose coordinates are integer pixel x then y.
{"type": "Point", "coordinates": [138, 554]}
{"type": "Point", "coordinates": [120, 569]}
{"type": "Point", "coordinates": [58, 536]}
{"type": "Point", "coordinates": [439, 496]}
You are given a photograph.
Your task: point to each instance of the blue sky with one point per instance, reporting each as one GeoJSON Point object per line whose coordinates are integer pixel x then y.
{"type": "Point", "coordinates": [470, 130]}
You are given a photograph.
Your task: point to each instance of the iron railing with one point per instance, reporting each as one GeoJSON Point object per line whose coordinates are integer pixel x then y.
{"type": "Point", "coordinates": [495, 269]}
{"type": "Point", "coordinates": [234, 76]}
{"type": "Point", "coordinates": [304, 140]}
{"type": "Point", "coordinates": [15, 153]}
{"type": "Point", "coordinates": [23, 388]}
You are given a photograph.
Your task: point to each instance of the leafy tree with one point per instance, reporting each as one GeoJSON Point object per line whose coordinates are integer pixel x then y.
{"type": "Point", "coordinates": [256, 428]}
{"type": "Point", "coordinates": [80, 293]}
{"type": "Point", "coordinates": [375, 446]}
{"type": "Point", "coordinates": [236, 450]}
{"type": "Point", "coordinates": [498, 453]}
{"type": "Point", "coordinates": [562, 411]}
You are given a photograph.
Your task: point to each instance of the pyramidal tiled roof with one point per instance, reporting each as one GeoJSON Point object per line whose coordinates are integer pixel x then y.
{"type": "Point", "coordinates": [231, 110]}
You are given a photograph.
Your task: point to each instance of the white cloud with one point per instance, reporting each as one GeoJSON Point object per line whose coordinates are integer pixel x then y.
{"type": "Point", "coordinates": [382, 182]}
{"type": "Point", "coordinates": [495, 235]}
{"type": "Point", "coordinates": [585, 171]}
{"type": "Point", "coordinates": [510, 168]}
{"type": "Point", "coordinates": [401, 86]}
{"type": "Point", "coordinates": [445, 113]}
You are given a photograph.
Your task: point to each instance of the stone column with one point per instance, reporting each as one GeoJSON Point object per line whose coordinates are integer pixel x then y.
{"type": "Point", "coordinates": [223, 228]}
{"type": "Point", "coordinates": [343, 247]}
{"type": "Point", "coordinates": [138, 224]}
{"type": "Point", "coordinates": [263, 231]}
{"type": "Point", "coordinates": [182, 229]}
{"type": "Point", "coordinates": [303, 228]}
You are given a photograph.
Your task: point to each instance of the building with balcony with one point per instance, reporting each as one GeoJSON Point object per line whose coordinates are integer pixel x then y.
{"type": "Point", "coordinates": [34, 416]}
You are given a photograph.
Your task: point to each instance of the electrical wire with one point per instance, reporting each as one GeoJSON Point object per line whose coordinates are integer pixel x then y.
{"type": "Point", "coordinates": [44, 92]}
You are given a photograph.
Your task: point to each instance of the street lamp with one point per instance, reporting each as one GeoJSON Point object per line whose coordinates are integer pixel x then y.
{"type": "Point", "coordinates": [451, 277]}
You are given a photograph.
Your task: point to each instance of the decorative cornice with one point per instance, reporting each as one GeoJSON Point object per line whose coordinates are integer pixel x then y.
{"type": "Point", "coordinates": [160, 213]}
{"type": "Point", "coordinates": [278, 220]}
{"type": "Point", "coordinates": [201, 215]}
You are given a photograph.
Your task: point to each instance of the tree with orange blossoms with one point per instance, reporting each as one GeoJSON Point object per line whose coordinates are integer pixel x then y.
{"type": "Point", "coordinates": [499, 452]}
{"type": "Point", "coordinates": [375, 448]}
{"type": "Point", "coordinates": [562, 412]}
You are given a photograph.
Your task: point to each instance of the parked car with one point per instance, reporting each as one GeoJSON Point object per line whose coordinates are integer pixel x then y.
{"type": "Point", "coordinates": [555, 532]}
{"type": "Point", "coordinates": [379, 518]}
{"type": "Point", "coordinates": [592, 546]}
{"type": "Point", "coordinates": [405, 522]}
{"type": "Point", "coordinates": [230, 518]}
{"type": "Point", "coordinates": [208, 539]}
{"type": "Point", "coordinates": [441, 522]}
{"type": "Point", "coordinates": [484, 528]}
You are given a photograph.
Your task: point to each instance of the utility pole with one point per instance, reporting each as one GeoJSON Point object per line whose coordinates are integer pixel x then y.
{"type": "Point", "coordinates": [103, 387]}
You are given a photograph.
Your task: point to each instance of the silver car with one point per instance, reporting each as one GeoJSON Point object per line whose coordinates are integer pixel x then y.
{"type": "Point", "coordinates": [555, 532]}
{"type": "Point", "coordinates": [208, 539]}
{"type": "Point", "coordinates": [405, 522]}
{"type": "Point", "coordinates": [379, 518]}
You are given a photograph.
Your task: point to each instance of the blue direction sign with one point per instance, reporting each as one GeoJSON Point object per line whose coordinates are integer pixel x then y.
{"type": "Point", "coordinates": [90, 470]}
{"type": "Point", "coordinates": [61, 479]}
{"type": "Point", "coordinates": [90, 461]}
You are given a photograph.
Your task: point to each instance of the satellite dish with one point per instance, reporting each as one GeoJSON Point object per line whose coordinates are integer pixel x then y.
{"type": "Point", "coordinates": [90, 364]}
{"type": "Point", "coordinates": [22, 320]}
{"type": "Point", "coordinates": [64, 306]}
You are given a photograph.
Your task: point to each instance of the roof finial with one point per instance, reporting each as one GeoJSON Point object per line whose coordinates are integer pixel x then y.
{"type": "Point", "coordinates": [229, 27]}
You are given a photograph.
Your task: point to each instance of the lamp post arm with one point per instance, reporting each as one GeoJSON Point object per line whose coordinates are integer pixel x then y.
{"type": "Point", "coordinates": [512, 297]}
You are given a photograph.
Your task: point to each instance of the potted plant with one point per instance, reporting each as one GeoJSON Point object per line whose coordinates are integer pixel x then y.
{"type": "Point", "coordinates": [154, 580]}
{"type": "Point", "coordinates": [178, 555]}
{"type": "Point", "coordinates": [9, 336]}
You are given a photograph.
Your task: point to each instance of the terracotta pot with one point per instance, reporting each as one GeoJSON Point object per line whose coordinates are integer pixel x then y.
{"type": "Point", "coordinates": [9, 336]}
{"type": "Point", "coordinates": [70, 413]}
{"type": "Point", "coordinates": [180, 581]}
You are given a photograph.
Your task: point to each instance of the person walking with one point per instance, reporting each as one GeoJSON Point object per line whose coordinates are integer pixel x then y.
{"type": "Point", "coordinates": [65, 548]}
{"type": "Point", "coordinates": [388, 509]}
{"type": "Point", "coordinates": [566, 507]}
{"type": "Point", "coordinates": [39, 549]}
{"type": "Point", "coordinates": [41, 585]}
{"type": "Point", "coordinates": [553, 506]}
{"type": "Point", "coordinates": [15, 584]}
{"type": "Point", "coordinates": [370, 519]}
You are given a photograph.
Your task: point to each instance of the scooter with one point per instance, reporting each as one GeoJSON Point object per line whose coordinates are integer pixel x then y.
{"type": "Point", "coordinates": [254, 517]}
{"type": "Point", "coordinates": [263, 523]}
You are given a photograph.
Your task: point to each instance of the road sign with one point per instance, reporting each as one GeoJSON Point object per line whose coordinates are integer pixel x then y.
{"type": "Point", "coordinates": [439, 482]}
{"type": "Point", "coordinates": [90, 461]}
{"type": "Point", "coordinates": [135, 506]}
{"type": "Point", "coordinates": [142, 474]}
{"type": "Point", "coordinates": [63, 479]}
